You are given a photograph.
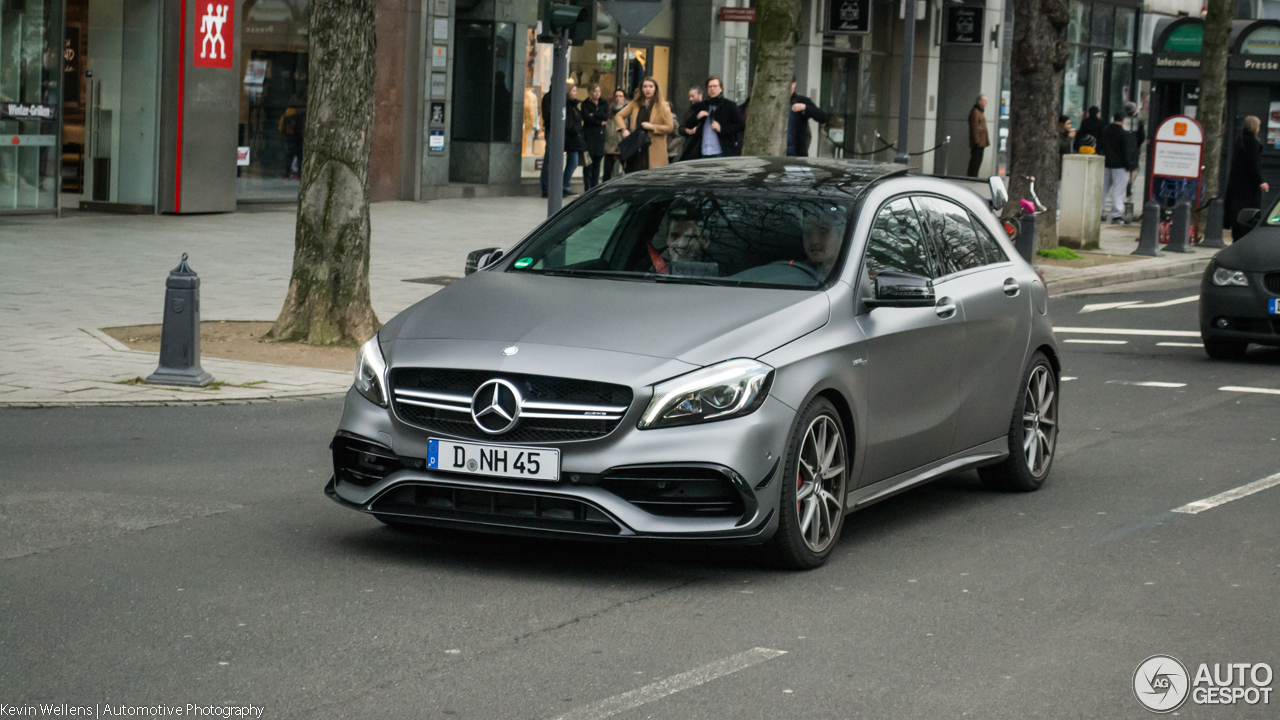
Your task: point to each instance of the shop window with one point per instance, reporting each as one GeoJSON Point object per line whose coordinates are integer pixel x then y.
{"type": "Point", "coordinates": [484, 62]}
{"type": "Point", "coordinates": [273, 98]}
{"type": "Point", "coordinates": [1126, 24]}
{"type": "Point", "coordinates": [1078, 25]}
{"type": "Point", "coordinates": [30, 35]}
{"type": "Point", "coordinates": [1103, 26]}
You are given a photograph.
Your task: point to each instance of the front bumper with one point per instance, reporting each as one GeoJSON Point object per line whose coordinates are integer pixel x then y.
{"type": "Point", "coordinates": [586, 501]}
{"type": "Point", "coordinates": [1238, 313]}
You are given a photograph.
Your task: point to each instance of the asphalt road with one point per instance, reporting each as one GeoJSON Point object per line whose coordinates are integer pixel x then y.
{"type": "Point", "coordinates": [187, 555]}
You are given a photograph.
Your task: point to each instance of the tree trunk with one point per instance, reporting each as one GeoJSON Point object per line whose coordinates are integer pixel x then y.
{"type": "Point", "coordinates": [1035, 94]}
{"type": "Point", "coordinates": [328, 301]}
{"type": "Point", "coordinates": [777, 32]}
{"type": "Point", "coordinates": [1213, 87]}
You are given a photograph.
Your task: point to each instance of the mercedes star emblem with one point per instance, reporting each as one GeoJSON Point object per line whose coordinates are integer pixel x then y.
{"type": "Point", "coordinates": [495, 407]}
{"type": "Point", "coordinates": [509, 351]}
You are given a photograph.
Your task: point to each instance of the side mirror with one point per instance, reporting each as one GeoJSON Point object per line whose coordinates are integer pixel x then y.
{"type": "Point", "coordinates": [479, 259]}
{"type": "Point", "coordinates": [999, 194]}
{"type": "Point", "coordinates": [899, 289]}
{"type": "Point", "coordinates": [1249, 217]}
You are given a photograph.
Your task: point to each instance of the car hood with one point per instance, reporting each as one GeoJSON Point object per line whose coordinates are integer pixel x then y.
{"type": "Point", "coordinates": [1259, 251]}
{"type": "Point", "coordinates": [697, 324]}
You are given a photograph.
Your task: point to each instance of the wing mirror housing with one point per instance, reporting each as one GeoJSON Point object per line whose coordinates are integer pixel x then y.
{"type": "Point", "coordinates": [1249, 217]}
{"type": "Point", "coordinates": [999, 194]}
{"type": "Point", "coordinates": [480, 259]}
{"type": "Point", "coordinates": [900, 289]}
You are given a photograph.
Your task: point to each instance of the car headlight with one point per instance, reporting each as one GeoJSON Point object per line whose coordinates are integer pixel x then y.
{"type": "Point", "coordinates": [371, 371]}
{"type": "Point", "coordinates": [1223, 277]}
{"type": "Point", "coordinates": [725, 390]}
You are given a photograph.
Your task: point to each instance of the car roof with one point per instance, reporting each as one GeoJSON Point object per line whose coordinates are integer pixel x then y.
{"type": "Point", "coordinates": [824, 177]}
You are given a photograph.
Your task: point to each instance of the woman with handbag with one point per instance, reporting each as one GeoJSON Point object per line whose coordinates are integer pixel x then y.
{"type": "Point", "coordinates": [612, 135]}
{"type": "Point", "coordinates": [645, 124]}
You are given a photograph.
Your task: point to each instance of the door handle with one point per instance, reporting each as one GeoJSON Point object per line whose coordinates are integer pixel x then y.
{"type": "Point", "coordinates": [1011, 287]}
{"type": "Point", "coordinates": [946, 308]}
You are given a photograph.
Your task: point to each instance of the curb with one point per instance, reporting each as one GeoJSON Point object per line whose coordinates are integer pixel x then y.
{"type": "Point", "coordinates": [167, 403]}
{"type": "Point", "coordinates": [1121, 275]}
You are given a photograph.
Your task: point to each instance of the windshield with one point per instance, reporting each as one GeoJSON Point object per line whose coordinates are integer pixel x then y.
{"type": "Point", "coordinates": [1273, 218]}
{"type": "Point", "coordinates": [708, 236]}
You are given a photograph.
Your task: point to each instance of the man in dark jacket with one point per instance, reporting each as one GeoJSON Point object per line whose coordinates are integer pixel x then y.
{"type": "Point", "coordinates": [1120, 150]}
{"type": "Point", "coordinates": [595, 114]}
{"type": "Point", "coordinates": [713, 125]}
{"type": "Point", "coordinates": [802, 111]}
{"type": "Point", "coordinates": [1091, 125]}
{"type": "Point", "coordinates": [979, 141]}
{"type": "Point", "coordinates": [573, 141]}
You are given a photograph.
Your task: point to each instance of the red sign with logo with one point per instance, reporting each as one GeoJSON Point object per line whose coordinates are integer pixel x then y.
{"type": "Point", "coordinates": [737, 14]}
{"type": "Point", "coordinates": [215, 34]}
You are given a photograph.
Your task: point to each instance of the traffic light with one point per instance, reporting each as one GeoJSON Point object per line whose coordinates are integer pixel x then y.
{"type": "Point", "coordinates": [579, 16]}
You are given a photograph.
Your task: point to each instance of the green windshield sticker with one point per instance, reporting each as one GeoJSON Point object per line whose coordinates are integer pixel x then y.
{"type": "Point", "coordinates": [523, 263]}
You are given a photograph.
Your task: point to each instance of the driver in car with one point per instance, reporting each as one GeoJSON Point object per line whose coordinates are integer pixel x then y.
{"type": "Point", "coordinates": [686, 244]}
{"type": "Point", "coordinates": [820, 246]}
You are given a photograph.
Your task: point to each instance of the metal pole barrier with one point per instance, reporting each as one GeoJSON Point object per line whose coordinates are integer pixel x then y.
{"type": "Point", "coordinates": [555, 133]}
{"type": "Point", "coordinates": [1180, 228]}
{"type": "Point", "coordinates": [1213, 225]}
{"type": "Point", "coordinates": [1150, 237]}
{"type": "Point", "coordinates": [904, 103]}
{"type": "Point", "coordinates": [1025, 243]}
{"type": "Point", "coordinates": [180, 334]}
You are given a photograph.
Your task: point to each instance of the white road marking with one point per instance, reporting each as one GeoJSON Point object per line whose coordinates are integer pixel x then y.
{"type": "Point", "coordinates": [1147, 384]}
{"type": "Point", "coordinates": [1178, 344]}
{"type": "Point", "coordinates": [1264, 391]}
{"type": "Point", "coordinates": [1136, 304]}
{"type": "Point", "coordinates": [1065, 378]}
{"type": "Point", "coordinates": [1200, 506]}
{"type": "Point", "coordinates": [1125, 331]}
{"type": "Point", "coordinates": [1097, 342]}
{"type": "Point", "coordinates": [674, 684]}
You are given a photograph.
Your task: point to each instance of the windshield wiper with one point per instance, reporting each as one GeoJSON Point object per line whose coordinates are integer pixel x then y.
{"type": "Point", "coordinates": [605, 274]}
{"type": "Point", "coordinates": [682, 279]}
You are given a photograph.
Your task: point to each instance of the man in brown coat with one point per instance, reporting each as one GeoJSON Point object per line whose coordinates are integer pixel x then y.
{"type": "Point", "coordinates": [978, 141]}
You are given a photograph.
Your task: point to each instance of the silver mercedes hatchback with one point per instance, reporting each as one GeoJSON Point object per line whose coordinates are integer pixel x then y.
{"type": "Point", "coordinates": [742, 349]}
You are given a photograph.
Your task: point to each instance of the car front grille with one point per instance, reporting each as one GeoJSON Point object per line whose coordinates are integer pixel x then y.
{"type": "Point", "coordinates": [360, 462]}
{"type": "Point", "coordinates": [1272, 282]}
{"type": "Point", "coordinates": [676, 490]}
{"type": "Point", "coordinates": [553, 409]}
{"type": "Point", "coordinates": [495, 507]}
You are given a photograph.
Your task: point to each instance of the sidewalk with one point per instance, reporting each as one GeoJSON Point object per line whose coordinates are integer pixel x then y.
{"type": "Point", "coordinates": [1121, 241]}
{"type": "Point", "coordinates": [62, 280]}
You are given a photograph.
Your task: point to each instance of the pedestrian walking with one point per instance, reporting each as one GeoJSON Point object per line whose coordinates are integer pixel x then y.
{"type": "Point", "coordinates": [802, 111]}
{"type": "Point", "coordinates": [649, 113]}
{"type": "Point", "coordinates": [713, 126]}
{"type": "Point", "coordinates": [1065, 135]}
{"type": "Point", "coordinates": [595, 116]}
{"type": "Point", "coordinates": [1245, 185]}
{"type": "Point", "coordinates": [1120, 152]}
{"type": "Point", "coordinates": [978, 139]}
{"type": "Point", "coordinates": [291, 126]}
{"type": "Point", "coordinates": [573, 142]}
{"type": "Point", "coordinates": [613, 134]}
{"type": "Point", "coordinates": [1090, 125]}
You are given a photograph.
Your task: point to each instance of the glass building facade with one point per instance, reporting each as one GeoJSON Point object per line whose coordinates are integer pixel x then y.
{"type": "Point", "coordinates": [1100, 66]}
{"type": "Point", "coordinates": [30, 101]}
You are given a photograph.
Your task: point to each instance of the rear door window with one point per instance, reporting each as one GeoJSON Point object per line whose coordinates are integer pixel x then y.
{"type": "Point", "coordinates": [990, 248]}
{"type": "Point", "coordinates": [897, 241]}
{"type": "Point", "coordinates": [951, 231]}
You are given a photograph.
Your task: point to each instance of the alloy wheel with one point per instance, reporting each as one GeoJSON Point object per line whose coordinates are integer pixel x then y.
{"type": "Point", "coordinates": [820, 483]}
{"type": "Point", "coordinates": [1040, 421]}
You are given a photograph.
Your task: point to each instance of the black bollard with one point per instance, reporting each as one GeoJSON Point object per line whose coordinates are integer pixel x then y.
{"type": "Point", "coordinates": [1025, 243]}
{"type": "Point", "coordinates": [180, 334]}
{"type": "Point", "coordinates": [1150, 237]}
{"type": "Point", "coordinates": [1213, 225]}
{"type": "Point", "coordinates": [1180, 228]}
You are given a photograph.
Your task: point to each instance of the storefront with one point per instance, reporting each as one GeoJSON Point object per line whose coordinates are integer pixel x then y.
{"type": "Point", "coordinates": [30, 94]}
{"type": "Point", "coordinates": [273, 99]}
{"type": "Point", "coordinates": [1100, 70]}
{"type": "Point", "coordinates": [1253, 81]}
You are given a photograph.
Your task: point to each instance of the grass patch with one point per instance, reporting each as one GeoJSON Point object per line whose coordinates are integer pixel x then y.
{"type": "Point", "coordinates": [1060, 253]}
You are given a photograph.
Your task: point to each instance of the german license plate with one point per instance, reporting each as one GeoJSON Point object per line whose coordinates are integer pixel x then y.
{"type": "Point", "coordinates": [1273, 306]}
{"type": "Point", "coordinates": [522, 463]}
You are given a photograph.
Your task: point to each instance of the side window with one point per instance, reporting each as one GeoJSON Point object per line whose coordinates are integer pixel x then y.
{"type": "Point", "coordinates": [952, 231]}
{"type": "Point", "coordinates": [991, 248]}
{"type": "Point", "coordinates": [897, 241]}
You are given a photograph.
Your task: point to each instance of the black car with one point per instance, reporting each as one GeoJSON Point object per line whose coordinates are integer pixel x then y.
{"type": "Point", "coordinates": [1240, 292]}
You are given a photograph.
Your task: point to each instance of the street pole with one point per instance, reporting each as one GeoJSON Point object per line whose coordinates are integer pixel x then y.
{"type": "Point", "coordinates": [904, 102]}
{"type": "Point", "coordinates": [555, 133]}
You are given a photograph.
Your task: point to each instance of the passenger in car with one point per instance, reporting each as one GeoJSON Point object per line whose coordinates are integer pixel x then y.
{"type": "Point", "coordinates": [685, 252]}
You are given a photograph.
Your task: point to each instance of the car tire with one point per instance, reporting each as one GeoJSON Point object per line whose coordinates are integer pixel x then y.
{"type": "Point", "coordinates": [1225, 348]}
{"type": "Point", "coordinates": [811, 508]}
{"type": "Point", "coordinates": [1033, 432]}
